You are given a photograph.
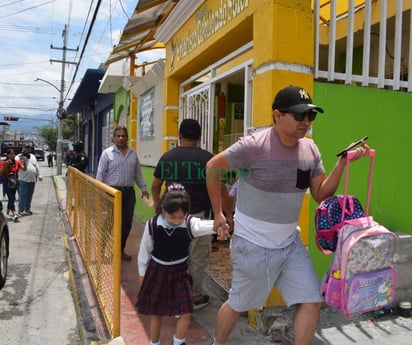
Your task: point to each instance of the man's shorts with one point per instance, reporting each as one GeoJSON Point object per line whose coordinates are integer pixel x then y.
{"type": "Point", "coordinates": [256, 270]}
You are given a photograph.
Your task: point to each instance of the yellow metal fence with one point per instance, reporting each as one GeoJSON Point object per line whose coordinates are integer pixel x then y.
{"type": "Point", "coordinates": [94, 213]}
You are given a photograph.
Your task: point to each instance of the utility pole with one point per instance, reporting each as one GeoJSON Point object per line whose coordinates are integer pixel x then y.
{"type": "Point", "coordinates": [61, 110]}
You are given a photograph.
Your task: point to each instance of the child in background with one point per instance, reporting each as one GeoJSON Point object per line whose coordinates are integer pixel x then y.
{"type": "Point", "coordinates": [166, 284]}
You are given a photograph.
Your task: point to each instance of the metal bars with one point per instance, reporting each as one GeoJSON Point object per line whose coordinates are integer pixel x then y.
{"type": "Point", "coordinates": [368, 43]}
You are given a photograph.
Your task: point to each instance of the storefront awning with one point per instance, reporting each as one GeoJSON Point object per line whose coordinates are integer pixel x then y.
{"type": "Point", "coordinates": [87, 90]}
{"type": "Point", "coordinates": [138, 34]}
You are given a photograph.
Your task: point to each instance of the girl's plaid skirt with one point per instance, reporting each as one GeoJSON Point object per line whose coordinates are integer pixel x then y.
{"type": "Point", "coordinates": [166, 290]}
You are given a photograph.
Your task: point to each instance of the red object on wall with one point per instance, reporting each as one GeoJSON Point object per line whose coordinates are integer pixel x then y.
{"type": "Point", "coordinates": [222, 105]}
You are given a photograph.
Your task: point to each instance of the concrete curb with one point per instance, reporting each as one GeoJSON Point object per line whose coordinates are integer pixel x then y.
{"type": "Point", "coordinates": [64, 226]}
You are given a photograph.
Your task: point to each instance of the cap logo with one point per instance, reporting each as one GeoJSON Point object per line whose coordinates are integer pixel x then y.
{"type": "Point", "coordinates": [303, 94]}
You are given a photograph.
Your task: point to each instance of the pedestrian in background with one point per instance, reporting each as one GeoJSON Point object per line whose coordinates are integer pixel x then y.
{"type": "Point", "coordinates": [79, 158]}
{"type": "Point", "coordinates": [186, 164]}
{"type": "Point", "coordinates": [27, 180]}
{"type": "Point", "coordinates": [165, 282]}
{"type": "Point", "coordinates": [120, 168]}
{"type": "Point", "coordinates": [50, 159]}
{"type": "Point", "coordinates": [9, 169]}
{"type": "Point", "coordinates": [276, 167]}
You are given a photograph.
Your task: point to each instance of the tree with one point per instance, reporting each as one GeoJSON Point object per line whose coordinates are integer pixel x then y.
{"type": "Point", "coordinates": [49, 134]}
{"type": "Point", "coordinates": [69, 126]}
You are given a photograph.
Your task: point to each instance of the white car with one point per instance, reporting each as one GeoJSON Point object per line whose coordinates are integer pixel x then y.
{"type": "Point", "coordinates": [39, 153]}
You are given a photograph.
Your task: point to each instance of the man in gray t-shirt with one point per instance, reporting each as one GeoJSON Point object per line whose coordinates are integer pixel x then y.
{"type": "Point", "coordinates": [276, 167]}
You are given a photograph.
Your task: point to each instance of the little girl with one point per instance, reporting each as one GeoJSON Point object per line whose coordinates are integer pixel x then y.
{"type": "Point", "coordinates": [166, 284]}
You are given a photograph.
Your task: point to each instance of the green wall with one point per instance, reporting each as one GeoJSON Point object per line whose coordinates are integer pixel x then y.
{"type": "Point", "coordinates": [352, 112]}
{"type": "Point", "coordinates": [120, 101]}
{"type": "Point", "coordinates": [141, 211]}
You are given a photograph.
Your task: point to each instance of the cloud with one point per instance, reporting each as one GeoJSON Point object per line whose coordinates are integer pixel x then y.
{"type": "Point", "coordinates": [28, 28]}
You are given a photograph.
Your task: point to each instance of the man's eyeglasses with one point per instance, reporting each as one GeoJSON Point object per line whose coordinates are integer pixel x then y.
{"type": "Point", "coordinates": [300, 116]}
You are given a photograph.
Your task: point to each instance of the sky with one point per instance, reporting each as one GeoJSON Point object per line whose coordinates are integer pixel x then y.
{"type": "Point", "coordinates": [28, 29]}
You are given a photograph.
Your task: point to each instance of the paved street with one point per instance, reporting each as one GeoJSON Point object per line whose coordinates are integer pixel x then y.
{"type": "Point", "coordinates": [36, 304]}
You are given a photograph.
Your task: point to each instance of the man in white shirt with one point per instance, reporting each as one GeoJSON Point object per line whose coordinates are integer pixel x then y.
{"type": "Point", "coordinates": [27, 181]}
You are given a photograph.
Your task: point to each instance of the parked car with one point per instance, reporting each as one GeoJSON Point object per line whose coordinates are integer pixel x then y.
{"type": "Point", "coordinates": [39, 153]}
{"type": "Point", "coordinates": [4, 247]}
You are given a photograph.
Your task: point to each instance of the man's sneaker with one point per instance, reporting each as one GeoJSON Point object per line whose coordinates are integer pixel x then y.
{"type": "Point", "coordinates": [21, 213]}
{"type": "Point", "coordinates": [200, 302]}
{"type": "Point", "coordinates": [27, 213]}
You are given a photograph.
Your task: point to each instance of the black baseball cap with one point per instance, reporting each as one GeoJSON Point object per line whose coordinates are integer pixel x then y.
{"type": "Point", "coordinates": [294, 99]}
{"type": "Point", "coordinates": [190, 129]}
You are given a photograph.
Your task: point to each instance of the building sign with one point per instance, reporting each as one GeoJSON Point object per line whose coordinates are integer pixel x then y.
{"type": "Point", "coordinates": [208, 22]}
{"type": "Point", "coordinates": [146, 114]}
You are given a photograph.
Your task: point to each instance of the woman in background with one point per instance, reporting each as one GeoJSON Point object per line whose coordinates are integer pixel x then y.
{"type": "Point", "coordinates": [9, 169]}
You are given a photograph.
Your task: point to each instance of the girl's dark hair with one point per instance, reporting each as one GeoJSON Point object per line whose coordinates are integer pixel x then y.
{"type": "Point", "coordinates": [174, 199]}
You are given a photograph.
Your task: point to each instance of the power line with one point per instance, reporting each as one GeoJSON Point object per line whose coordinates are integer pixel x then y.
{"type": "Point", "coordinates": [84, 46]}
{"type": "Point", "coordinates": [83, 30]}
{"type": "Point", "coordinates": [27, 9]}
{"type": "Point", "coordinates": [31, 29]}
{"type": "Point", "coordinates": [124, 11]}
{"type": "Point", "coordinates": [30, 108]}
{"type": "Point", "coordinates": [11, 3]}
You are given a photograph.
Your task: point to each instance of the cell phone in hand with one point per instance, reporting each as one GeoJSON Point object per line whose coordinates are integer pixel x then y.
{"type": "Point", "coordinates": [352, 146]}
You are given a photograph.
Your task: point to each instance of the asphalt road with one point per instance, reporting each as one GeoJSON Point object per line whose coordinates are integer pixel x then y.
{"type": "Point", "coordinates": [36, 304]}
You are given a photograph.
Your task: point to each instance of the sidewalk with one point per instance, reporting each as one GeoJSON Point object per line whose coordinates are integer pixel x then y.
{"type": "Point", "coordinates": [334, 328]}
{"type": "Point", "coordinates": [36, 304]}
{"type": "Point", "coordinates": [134, 328]}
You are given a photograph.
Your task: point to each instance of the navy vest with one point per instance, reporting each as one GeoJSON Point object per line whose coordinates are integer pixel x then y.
{"type": "Point", "coordinates": [170, 244]}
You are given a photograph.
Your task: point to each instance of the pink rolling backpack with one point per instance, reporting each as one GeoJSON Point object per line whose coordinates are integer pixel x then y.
{"type": "Point", "coordinates": [361, 277]}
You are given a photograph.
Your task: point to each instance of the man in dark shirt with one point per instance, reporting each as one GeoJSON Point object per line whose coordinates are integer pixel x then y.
{"type": "Point", "coordinates": [186, 164]}
{"type": "Point", "coordinates": [79, 159]}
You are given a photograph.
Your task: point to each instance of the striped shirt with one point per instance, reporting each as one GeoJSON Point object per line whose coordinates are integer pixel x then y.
{"type": "Point", "coordinates": [273, 178]}
{"type": "Point", "coordinates": [118, 170]}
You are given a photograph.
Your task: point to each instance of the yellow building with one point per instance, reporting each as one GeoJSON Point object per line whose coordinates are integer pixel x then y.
{"type": "Point", "coordinates": [225, 61]}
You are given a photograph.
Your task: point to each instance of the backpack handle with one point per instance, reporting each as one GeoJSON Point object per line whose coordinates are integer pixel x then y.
{"type": "Point", "coordinates": [349, 156]}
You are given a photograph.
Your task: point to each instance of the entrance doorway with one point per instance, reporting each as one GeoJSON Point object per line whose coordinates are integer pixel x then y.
{"type": "Point", "coordinates": [220, 99]}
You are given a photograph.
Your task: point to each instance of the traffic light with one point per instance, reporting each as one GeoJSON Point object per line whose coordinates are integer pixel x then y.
{"type": "Point", "coordinates": [10, 118]}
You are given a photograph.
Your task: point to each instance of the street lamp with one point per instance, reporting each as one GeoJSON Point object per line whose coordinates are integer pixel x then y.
{"type": "Point", "coordinates": [60, 112]}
